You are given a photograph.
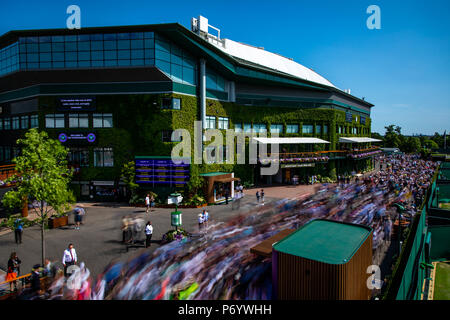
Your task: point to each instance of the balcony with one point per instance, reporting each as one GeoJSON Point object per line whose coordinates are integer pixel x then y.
{"type": "Point", "coordinates": [320, 156]}
{"type": "Point", "coordinates": [363, 153]}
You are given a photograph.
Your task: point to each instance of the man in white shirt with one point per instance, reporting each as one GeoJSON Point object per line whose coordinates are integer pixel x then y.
{"type": "Point", "coordinates": [148, 234]}
{"type": "Point", "coordinates": [147, 202]}
{"type": "Point", "coordinates": [69, 258]}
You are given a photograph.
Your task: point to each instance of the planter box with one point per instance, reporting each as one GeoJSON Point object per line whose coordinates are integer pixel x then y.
{"type": "Point", "coordinates": [58, 222]}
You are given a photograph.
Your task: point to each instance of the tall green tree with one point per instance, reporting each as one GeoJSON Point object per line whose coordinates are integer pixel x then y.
{"type": "Point", "coordinates": [128, 176]}
{"type": "Point", "coordinates": [42, 175]}
{"type": "Point", "coordinates": [392, 136]}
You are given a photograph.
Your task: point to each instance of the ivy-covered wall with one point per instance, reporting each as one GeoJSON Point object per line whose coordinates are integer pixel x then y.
{"type": "Point", "coordinates": [138, 121]}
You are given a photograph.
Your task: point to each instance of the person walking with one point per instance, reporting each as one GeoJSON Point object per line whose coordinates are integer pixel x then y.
{"type": "Point", "coordinates": [257, 196]}
{"type": "Point", "coordinates": [125, 229]}
{"type": "Point", "coordinates": [262, 196]}
{"type": "Point", "coordinates": [18, 230]}
{"type": "Point", "coordinates": [200, 221]}
{"type": "Point", "coordinates": [78, 212]}
{"type": "Point", "coordinates": [147, 202]}
{"type": "Point", "coordinates": [152, 203]}
{"type": "Point", "coordinates": [148, 234]}
{"type": "Point", "coordinates": [69, 258]}
{"type": "Point", "coordinates": [13, 270]}
{"type": "Point", "coordinates": [205, 217]}
{"type": "Point", "coordinates": [226, 196]}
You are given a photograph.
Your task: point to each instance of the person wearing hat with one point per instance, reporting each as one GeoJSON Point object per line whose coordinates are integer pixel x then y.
{"type": "Point", "coordinates": [69, 258]}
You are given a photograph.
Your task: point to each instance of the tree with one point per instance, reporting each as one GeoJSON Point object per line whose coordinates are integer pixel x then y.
{"type": "Point", "coordinates": [430, 144]}
{"type": "Point", "coordinates": [42, 175]}
{"type": "Point", "coordinates": [391, 137]}
{"type": "Point", "coordinates": [411, 145]}
{"type": "Point", "coordinates": [128, 176]}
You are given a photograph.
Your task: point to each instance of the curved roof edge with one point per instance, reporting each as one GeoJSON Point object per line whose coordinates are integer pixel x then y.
{"type": "Point", "coordinates": [271, 60]}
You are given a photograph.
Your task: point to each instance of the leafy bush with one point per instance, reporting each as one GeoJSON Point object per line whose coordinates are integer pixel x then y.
{"type": "Point", "coordinates": [195, 200]}
{"type": "Point", "coordinates": [9, 222]}
{"type": "Point", "coordinates": [172, 235]}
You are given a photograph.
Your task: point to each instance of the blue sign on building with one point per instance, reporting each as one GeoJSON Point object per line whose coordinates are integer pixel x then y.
{"type": "Point", "coordinates": [348, 117]}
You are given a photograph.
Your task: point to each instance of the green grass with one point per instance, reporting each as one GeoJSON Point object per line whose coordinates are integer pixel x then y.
{"type": "Point", "coordinates": [442, 282]}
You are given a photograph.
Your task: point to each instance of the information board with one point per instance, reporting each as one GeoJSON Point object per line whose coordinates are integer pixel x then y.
{"type": "Point", "coordinates": [161, 171]}
{"type": "Point", "coordinates": [348, 117]}
{"type": "Point", "coordinates": [77, 104]}
{"type": "Point", "coordinates": [363, 120]}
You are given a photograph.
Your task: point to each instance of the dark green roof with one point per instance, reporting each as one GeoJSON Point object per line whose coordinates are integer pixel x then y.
{"type": "Point", "coordinates": [325, 241]}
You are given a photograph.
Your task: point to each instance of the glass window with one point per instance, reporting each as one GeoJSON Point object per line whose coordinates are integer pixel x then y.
{"type": "Point", "coordinates": [24, 122]}
{"type": "Point", "coordinates": [123, 54]}
{"type": "Point", "coordinates": [7, 123]}
{"type": "Point", "coordinates": [54, 120]}
{"type": "Point", "coordinates": [292, 128]}
{"type": "Point", "coordinates": [123, 44]}
{"type": "Point", "coordinates": [247, 127]}
{"type": "Point", "coordinates": [276, 128]}
{"type": "Point", "coordinates": [77, 120]}
{"type": "Point", "coordinates": [58, 47]}
{"type": "Point", "coordinates": [78, 156]}
{"type": "Point", "coordinates": [84, 46]}
{"type": "Point", "coordinates": [325, 129]}
{"type": "Point", "coordinates": [1, 124]}
{"type": "Point", "coordinates": [318, 129]}
{"type": "Point", "coordinates": [171, 103]}
{"type": "Point", "coordinates": [34, 121]}
{"type": "Point", "coordinates": [110, 45]}
{"type": "Point", "coordinates": [210, 122]}
{"type": "Point", "coordinates": [96, 45]}
{"type": "Point", "coordinates": [259, 127]}
{"type": "Point", "coordinates": [102, 120]}
{"type": "Point", "coordinates": [307, 128]}
{"type": "Point", "coordinates": [176, 103]}
{"type": "Point", "coordinates": [15, 123]}
{"type": "Point", "coordinates": [238, 127]}
{"type": "Point", "coordinates": [70, 46]}
{"type": "Point", "coordinates": [103, 157]}
{"type": "Point", "coordinates": [223, 123]}
{"type": "Point", "coordinates": [137, 54]}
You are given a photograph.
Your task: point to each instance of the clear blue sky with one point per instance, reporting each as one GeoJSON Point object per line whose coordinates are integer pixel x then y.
{"type": "Point", "coordinates": [403, 68]}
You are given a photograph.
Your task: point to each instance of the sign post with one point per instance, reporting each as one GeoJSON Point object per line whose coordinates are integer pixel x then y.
{"type": "Point", "coordinates": [176, 216]}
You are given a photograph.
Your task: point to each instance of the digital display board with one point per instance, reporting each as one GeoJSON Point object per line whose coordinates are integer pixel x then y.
{"type": "Point", "coordinates": [77, 104]}
{"type": "Point", "coordinates": [161, 171]}
{"type": "Point", "coordinates": [348, 117]}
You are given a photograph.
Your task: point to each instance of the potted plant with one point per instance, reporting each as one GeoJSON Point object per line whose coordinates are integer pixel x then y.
{"type": "Point", "coordinates": [58, 220]}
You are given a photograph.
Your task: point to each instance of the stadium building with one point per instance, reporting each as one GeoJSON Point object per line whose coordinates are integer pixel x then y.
{"type": "Point", "coordinates": [111, 94]}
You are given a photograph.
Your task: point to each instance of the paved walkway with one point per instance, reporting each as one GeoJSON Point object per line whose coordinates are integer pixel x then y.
{"type": "Point", "coordinates": [99, 239]}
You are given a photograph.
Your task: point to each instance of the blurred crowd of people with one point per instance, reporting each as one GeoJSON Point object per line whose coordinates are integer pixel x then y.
{"type": "Point", "coordinates": [217, 264]}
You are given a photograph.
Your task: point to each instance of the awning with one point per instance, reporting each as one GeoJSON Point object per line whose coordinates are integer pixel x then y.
{"type": "Point", "coordinates": [224, 180]}
{"type": "Point", "coordinates": [293, 140]}
{"type": "Point", "coordinates": [357, 140]}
